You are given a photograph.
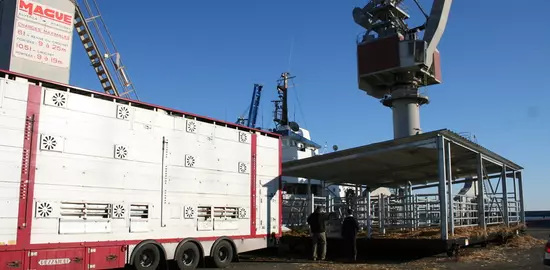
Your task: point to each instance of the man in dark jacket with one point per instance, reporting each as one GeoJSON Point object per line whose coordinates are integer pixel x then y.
{"type": "Point", "coordinates": [350, 228]}
{"type": "Point", "coordinates": [317, 229]}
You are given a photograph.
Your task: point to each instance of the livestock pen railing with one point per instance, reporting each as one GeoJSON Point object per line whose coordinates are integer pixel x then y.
{"type": "Point", "coordinates": [402, 212]}
{"type": "Point", "coordinates": [296, 208]}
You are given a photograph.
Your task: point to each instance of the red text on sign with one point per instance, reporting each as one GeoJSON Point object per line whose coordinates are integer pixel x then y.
{"type": "Point", "coordinates": [39, 10]}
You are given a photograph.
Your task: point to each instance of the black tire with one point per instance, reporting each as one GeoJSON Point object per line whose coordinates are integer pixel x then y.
{"type": "Point", "coordinates": [222, 254]}
{"type": "Point", "coordinates": [146, 257]}
{"type": "Point", "coordinates": [188, 256]}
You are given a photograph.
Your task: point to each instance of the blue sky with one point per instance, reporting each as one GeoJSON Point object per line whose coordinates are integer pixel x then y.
{"type": "Point", "coordinates": [205, 56]}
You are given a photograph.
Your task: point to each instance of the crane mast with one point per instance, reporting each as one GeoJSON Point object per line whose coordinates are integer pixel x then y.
{"type": "Point", "coordinates": [101, 50]}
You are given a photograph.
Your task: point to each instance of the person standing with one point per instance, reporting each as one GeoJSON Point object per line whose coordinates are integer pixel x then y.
{"type": "Point", "coordinates": [350, 228]}
{"type": "Point", "coordinates": [317, 229]}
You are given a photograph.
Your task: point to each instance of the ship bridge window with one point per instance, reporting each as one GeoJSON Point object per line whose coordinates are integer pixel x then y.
{"type": "Point", "coordinates": [291, 143]}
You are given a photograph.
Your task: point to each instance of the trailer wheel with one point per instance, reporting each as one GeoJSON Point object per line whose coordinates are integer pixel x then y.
{"type": "Point", "coordinates": [222, 254]}
{"type": "Point", "coordinates": [146, 257]}
{"type": "Point", "coordinates": [188, 256]}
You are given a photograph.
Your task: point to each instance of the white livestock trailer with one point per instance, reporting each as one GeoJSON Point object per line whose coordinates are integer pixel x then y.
{"type": "Point", "coordinates": [92, 181]}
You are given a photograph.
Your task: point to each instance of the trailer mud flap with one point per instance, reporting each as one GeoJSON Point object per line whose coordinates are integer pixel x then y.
{"type": "Point", "coordinates": [11, 260]}
{"type": "Point", "coordinates": [58, 259]}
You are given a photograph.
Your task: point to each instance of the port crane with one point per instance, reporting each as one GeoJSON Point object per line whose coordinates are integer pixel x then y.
{"type": "Point", "coordinates": [101, 50]}
{"type": "Point", "coordinates": [253, 110]}
{"type": "Point", "coordinates": [393, 62]}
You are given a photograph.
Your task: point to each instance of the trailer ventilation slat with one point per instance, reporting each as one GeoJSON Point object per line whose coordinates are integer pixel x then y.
{"type": "Point", "coordinates": [140, 211]}
{"type": "Point", "coordinates": [204, 212]}
{"type": "Point", "coordinates": [83, 210]}
{"type": "Point", "coordinates": [226, 212]}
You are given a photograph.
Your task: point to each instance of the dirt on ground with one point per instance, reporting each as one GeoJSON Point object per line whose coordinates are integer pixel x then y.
{"type": "Point", "coordinates": [521, 252]}
{"type": "Point", "coordinates": [524, 252]}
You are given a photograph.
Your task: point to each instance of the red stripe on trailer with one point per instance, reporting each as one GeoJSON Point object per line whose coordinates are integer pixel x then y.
{"type": "Point", "coordinates": [253, 184]}
{"type": "Point", "coordinates": [28, 166]}
{"type": "Point", "coordinates": [22, 256]}
{"type": "Point", "coordinates": [133, 242]}
{"type": "Point", "coordinates": [280, 187]}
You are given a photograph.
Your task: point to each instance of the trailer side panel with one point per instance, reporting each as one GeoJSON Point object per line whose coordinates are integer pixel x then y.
{"type": "Point", "coordinates": [91, 176]}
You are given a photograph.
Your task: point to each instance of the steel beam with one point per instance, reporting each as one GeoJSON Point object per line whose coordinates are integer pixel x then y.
{"type": "Point", "coordinates": [382, 213]}
{"type": "Point", "coordinates": [361, 155]}
{"type": "Point", "coordinates": [369, 217]}
{"type": "Point", "coordinates": [481, 193]}
{"type": "Point", "coordinates": [492, 160]}
{"type": "Point", "coordinates": [443, 205]}
{"type": "Point", "coordinates": [521, 201]}
{"type": "Point", "coordinates": [505, 197]}
{"type": "Point", "coordinates": [514, 178]}
{"type": "Point", "coordinates": [450, 185]}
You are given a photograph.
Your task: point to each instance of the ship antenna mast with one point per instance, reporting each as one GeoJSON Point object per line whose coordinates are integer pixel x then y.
{"type": "Point", "coordinates": [281, 105]}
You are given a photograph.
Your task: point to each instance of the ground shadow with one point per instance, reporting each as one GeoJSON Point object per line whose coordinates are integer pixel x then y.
{"type": "Point", "coordinates": [369, 251]}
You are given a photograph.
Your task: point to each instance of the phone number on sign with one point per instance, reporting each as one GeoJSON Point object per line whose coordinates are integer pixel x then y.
{"type": "Point", "coordinates": [42, 43]}
{"type": "Point", "coordinates": [38, 55]}
{"type": "Point", "coordinates": [53, 47]}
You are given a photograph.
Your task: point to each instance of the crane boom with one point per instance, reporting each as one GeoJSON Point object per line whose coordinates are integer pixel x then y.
{"type": "Point", "coordinates": [435, 26]}
{"type": "Point", "coordinates": [253, 108]}
{"type": "Point", "coordinates": [114, 78]}
{"type": "Point", "coordinates": [254, 105]}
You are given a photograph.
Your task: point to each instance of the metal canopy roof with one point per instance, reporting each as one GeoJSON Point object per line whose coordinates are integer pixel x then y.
{"type": "Point", "coordinates": [396, 162]}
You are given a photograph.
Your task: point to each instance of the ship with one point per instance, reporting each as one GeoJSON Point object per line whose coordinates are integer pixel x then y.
{"type": "Point", "coordinates": [301, 195]}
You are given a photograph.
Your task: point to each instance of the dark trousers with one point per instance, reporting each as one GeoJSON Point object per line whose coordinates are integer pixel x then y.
{"type": "Point", "coordinates": [351, 246]}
